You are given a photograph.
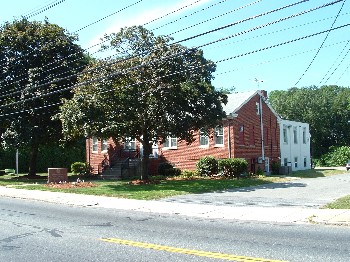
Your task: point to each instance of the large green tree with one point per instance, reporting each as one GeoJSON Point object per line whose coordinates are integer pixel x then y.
{"type": "Point", "coordinates": [325, 108]}
{"type": "Point", "coordinates": [152, 89]}
{"type": "Point", "coordinates": [37, 59]}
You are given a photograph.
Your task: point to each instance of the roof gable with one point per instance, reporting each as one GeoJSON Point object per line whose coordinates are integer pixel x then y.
{"type": "Point", "coordinates": [237, 100]}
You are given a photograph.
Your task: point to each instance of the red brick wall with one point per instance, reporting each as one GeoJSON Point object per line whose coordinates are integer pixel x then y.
{"type": "Point", "coordinates": [186, 156]}
{"type": "Point", "coordinates": [242, 145]}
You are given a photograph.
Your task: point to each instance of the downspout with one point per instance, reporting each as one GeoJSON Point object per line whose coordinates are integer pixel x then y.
{"type": "Point", "coordinates": [229, 119]}
{"type": "Point", "coordinates": [262, 131]}
{"type": "Point", "coordinates": [229, 139]}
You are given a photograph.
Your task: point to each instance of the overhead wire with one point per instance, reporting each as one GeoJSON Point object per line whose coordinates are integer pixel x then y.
{"type": "Point", "coordinates": [22, 79]}
{"type": "Point", "coordinates": [335, 69]}
{"type": "Point", "coordinates": [172, 12]}
{"type": "Point", "coordinates": [43, 9]}
{"type": "Point", "coordinates": [218, 61]}
{"type": "Point", "coordinates": [341, 52]}
{"type": "Point", "coordinates": [280, 58]}
{"type": "Point", "coordinates": [319, 49]}
{"type": "Point", "coordinates": [237, 34]}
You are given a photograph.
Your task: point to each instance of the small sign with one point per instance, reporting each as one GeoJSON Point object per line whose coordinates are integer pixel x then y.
{"type": "Point", "coordinates": [57, 175]}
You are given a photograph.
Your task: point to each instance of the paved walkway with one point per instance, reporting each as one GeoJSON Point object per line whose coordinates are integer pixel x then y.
{"type": "Point", "coordinates": [257, 213]}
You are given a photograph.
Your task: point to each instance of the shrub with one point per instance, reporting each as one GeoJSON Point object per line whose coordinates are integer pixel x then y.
{"type": "Point", "coordinates": [207, 166]}
{"type": "Point", "coordinates": [188, 174]}
{"type": "Point", "coordinates": [337, 156]}
{"type": "Point", "coordinates": [80, 168]}
{"type": "Point", "coordinates": [275, 168]}
{"type": "Point", "coordinates": [232, 167]}
{"type": "Point", "coordinates": [167, 169]}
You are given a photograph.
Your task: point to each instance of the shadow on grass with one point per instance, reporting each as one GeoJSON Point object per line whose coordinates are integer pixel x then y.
{"type": "Point", "coordinates": [179, 187]}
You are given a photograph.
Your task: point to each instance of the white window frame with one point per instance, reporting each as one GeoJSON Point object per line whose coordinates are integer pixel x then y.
{"type": "Point", "coordinates": [296, 162]}
{"type": "Point", "coordinates": [295, 135]}
{"type": "Point", "coordinates": [104, 145]}
{"type": "Point", "coordinates": [203, 138]}
{"type": "Point", "coordinates": [170, 142]}
{"type": "Point", "coordinates": [94, 144]}
{"type": "Point", "coordinates": [219, 133]}
{"type": "Point", "coordinates": [130, 144]}
{"type": "Point", "coordinates": [257, 106]}
{"type": "Point", "coordinates": [285, 135]}
{"type": "Point", "coordinates": [304, 135]}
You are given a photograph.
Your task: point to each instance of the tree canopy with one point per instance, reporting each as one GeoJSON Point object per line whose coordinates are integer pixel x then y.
{"type": "Point", "coordinates": [38, 60]}
{"type": "Point", "coordinates": [325, 108]}
{"type": "Point", "coordinates": [152, 89]}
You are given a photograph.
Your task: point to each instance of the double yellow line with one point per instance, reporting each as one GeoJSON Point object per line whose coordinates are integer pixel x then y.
{"type": "Point", "coordinates": [187, 251]}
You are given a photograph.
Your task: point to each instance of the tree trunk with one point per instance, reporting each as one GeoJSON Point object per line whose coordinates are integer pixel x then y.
{"type": "Point", "coordinates": [33, 160]}
{"type": "Point", "coordinates": [147, 148]}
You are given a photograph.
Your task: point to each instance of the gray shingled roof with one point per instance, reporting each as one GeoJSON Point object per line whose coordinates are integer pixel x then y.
{"type": "Point", "coordinates": [236, 100]}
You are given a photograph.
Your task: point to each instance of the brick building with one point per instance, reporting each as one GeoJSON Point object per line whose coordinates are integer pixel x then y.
{"type": "Point", "coordinates": [250, 131]}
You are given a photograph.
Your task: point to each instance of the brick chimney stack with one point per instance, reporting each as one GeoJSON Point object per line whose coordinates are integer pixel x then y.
{"type": "Point", "coordinates": [264, 93]}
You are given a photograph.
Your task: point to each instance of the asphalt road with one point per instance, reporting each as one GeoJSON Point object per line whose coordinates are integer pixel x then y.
{"type": "Point", "coordinates": [39, 231]}
{"type": "Point", "coordinates": [305, 193]}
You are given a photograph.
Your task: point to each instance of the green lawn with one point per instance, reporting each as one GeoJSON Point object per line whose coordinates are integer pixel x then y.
{"type": "Point", "coordinates": [165, 188]}
{"type": "Point", "coordinates": [341, 203]}
{"type": "Point", "coordinates": [123, 189]}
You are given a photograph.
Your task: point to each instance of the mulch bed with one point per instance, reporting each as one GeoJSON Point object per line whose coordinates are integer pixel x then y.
{"type": "Point", "coordinates": [144, 182]}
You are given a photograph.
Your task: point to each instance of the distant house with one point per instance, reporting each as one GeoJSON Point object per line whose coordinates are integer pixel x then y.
{"type": "Point", "coordinates": [251, 130]}
{"type": "Point", "coordinates": [295, 144]}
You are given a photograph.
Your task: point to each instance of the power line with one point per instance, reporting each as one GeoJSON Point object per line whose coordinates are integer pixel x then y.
{"type": "Point", "coordinates": [99, 20]}
{"type": "Point", "coordinates": [43, 9]}
{"type": "Point", "coordinates": [241, 21]}
{"type": "Point", "coordinates": [216, 17]}
{"type": "Point", "coordinates": [105, 40]}
{"type": "Point", "coordinates": [319, 49]}
{"type": "Point", "coordinates": [280, 58]}
{"type": "Point", "coordinates": [243, 32]}
{"type": "Point", "coordinates": [177, 72]}
{"type": "Point", "coordinates": [346, 44]}
{"type": "Point", "coordinates": [187, 16]}
{"type": "Point", "coordinates": [335, 69]}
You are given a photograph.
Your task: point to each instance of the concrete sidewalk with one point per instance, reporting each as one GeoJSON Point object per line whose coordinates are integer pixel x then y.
{"type": "Point", "coordinates": [262, 214]}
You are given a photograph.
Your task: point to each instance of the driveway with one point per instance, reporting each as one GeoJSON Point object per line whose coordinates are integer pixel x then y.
{"type": "Point", "coordinates": [305, 193]}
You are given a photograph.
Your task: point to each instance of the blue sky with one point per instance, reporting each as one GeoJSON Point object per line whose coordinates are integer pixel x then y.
{"type": "Point", "coordinates": [240, 63]}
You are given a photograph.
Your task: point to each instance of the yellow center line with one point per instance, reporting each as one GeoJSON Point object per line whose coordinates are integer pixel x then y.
{"type": "Point", "coordinates": [188, 251]}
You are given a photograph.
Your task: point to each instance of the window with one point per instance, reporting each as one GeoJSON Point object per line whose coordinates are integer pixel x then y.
{"type": "Point", "coordinates": [104, 145]}
{"type": "Point", "coordinates": [219, 136]}
{"type": "Point", "coordinates": [170, 142]}
{"type": "Point", "coordinates": [241, 135]}
{"type": "Point", "coordinates": [203, 137]}
{"type": "Point", "coordinates": [130, 143]}
{"type": "Point", "coordinates": [295, 134]}
{"type": "Point", "coordinates": [295, 162]}
{"type": "Point", "coordinates": [285, 161]}
{"type": "Point", "coordinates": [94, 144]}
{"type": "Point", "coordinates": [257, 106]}
{"type": "Point", "coordinates": [305, 161]}
{"type": "Point", "coordinates": [285, 135]}
{"type": "Point", "coordinates": [304, 135]}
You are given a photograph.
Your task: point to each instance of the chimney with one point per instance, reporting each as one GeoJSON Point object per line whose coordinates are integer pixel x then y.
{"type": "Point", "coordinates": [264, 93]}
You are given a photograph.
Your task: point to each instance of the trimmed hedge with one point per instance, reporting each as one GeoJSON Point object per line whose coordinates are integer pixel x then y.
{"type": "Point", "coordinates": [232, 167]}
{"type": "Point", "coordinates": [167, 169]}
{"type": "Point", "coordinates": [207, 166]}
